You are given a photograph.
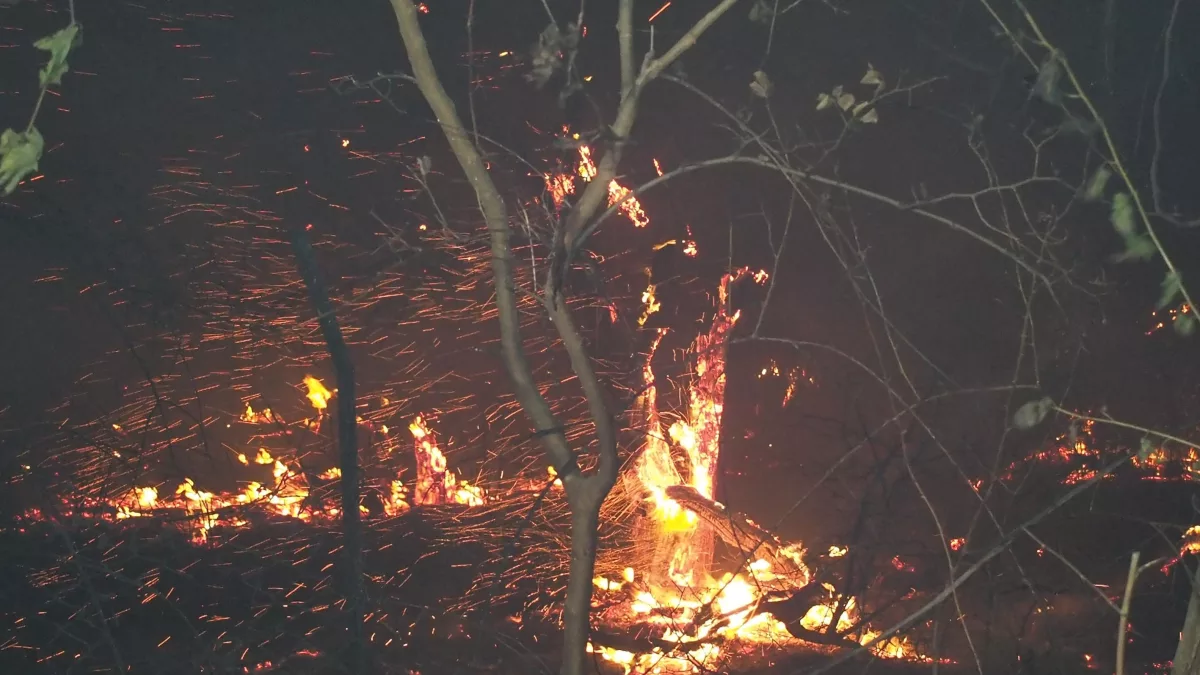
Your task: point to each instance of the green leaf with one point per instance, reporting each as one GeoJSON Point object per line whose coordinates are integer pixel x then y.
{"type": "Point", "coordinates": [1185, 325]}
{"type": "Point", "coordinates": [1031, 414]}
{"type": "Point", "coordinates": [868, 117]}
{"type": "Point", "coordinates": [873, 77]}
{"type": "Point", "coordinates": [19, 156]}
{"type": "Point", "coordinates": [761, 86]}
{"type": "Point", "coordinates": [845, 100]}
{"type": "Point", "coordinates": [1048, 78]}
{"type": "Point", "coordinates": [1172, 288]}
{"type": "Point", "coordinates": [1122, 215]}
{"type": "Point", "coordinates": [1099, 180]}
{"type": "Point", "coordinates": [59, 45]}
{"type": "Point", "coordinates": [824, 101]}
{"type": "Point", "coordinates": [1137, 247]}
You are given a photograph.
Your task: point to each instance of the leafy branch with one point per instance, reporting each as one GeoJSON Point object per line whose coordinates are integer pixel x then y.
{"type": "Point", "coordinates": [20, 151]}
{"type": "Point", "coordinates": [1130, 217]}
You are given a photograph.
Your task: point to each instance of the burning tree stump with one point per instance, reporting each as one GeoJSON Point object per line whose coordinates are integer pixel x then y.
{"type": "Point", "coordinates": [753, 542]}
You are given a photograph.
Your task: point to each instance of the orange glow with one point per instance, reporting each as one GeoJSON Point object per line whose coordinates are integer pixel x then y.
{"type": "Point", "coordinates": [286, 493]}
{"type": "Point", "coordinates": [650, 304]}
{"type": "Point", "coordinates": [559, 185]}
{"type": "Point", "coordinates": [1191, 541]}
{"type": "Point", "coordinates": [587, 168]}
{"type": "Point", "coordinates": [679, 598]}
{"type": "Point", "coordinates": [256, 417]}
{"type": "Point", "coordinates": [318, 395]}
{"type": "Point", "coordinates": [630, 206]}
{"type": "Point", "coordinates": [436, 484]}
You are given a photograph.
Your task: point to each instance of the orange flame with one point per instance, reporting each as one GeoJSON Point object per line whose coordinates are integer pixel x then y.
{"type": "Point", "coordinates": [318, 395]}
{"type": "Point", "coordinates": [436, 484]}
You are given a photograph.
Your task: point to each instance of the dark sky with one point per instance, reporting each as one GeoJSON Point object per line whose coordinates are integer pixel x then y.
{"type": "Point", "coordinates": [200, 83]}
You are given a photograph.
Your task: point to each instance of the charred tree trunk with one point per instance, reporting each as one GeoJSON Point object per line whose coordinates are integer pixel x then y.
{"type": "Point", "coordinates": [347, 431]}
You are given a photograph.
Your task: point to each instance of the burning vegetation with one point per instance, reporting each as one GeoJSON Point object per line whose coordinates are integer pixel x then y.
{"type": "Point", "coordinates": [196, 510]}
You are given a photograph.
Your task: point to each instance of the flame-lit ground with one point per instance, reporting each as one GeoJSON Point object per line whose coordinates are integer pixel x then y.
{"type": "Point", "coordinates": [270, 549]}
{"type": "Point", "coordinates": [683, 607]}
{"type": "Point", "coordinates": [694, 617]}
{"type": "Point", "coordinates": [702, 621]}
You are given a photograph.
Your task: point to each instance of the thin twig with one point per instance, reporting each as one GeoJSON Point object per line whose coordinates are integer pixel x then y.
{"type": "Point", "coordinates": [969, 572]}
{"type": "Point", "coordinates": [1155, 188]}
{"type": "Point", "coordinates": [1123, 623]}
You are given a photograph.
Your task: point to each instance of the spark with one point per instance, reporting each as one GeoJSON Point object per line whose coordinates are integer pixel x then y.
{"type": "Point", "coordinates": [659, 11]}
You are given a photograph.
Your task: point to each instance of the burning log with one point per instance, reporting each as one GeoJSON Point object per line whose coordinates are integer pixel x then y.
{"type": "Point", "coordinates": [749, 539]}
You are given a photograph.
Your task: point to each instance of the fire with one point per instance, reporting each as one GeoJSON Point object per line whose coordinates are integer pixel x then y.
{"type": "Point", "coordinates": [397, 501]}
{"type": "Point", "coordinates": [560, 185]}
{"type": "Point", "coordinates": [587, 168]}
{"type": "Point", "coordinates": [629, 205]}
{"type": "Point", "coordinates": [251, 416]}
{"type": "Point", "coordinates": [685, 550]}
{"type": "Point", "coordinates": [436, 484]}
{"type": "Point", "coordinates": [137, 502]}
{"type": "Point", "coordinates": [650, 304]}
{"type": "Point", "coordinates": [318, 395]}
{"type": "Point", "coordinates": [679, 598]}
{"type": "Point", "coordinates": [286, 493]}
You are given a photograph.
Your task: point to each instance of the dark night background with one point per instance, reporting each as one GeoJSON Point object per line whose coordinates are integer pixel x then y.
{"type": "Point", "coordinates": [242, 87]}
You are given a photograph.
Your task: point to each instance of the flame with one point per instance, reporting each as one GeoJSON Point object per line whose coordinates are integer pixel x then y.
{"type": "Point", "coordinates": [397, 501]}
{"type": "Point", "coordinates": [252, 416]}
{"type": "Point", "coordinates": [707, 615]}
{"type": "Point", "coordinates": [587, 168]}
{"type": "Point", "coordinates": [559, 185]}
{"type": "Point", "coordinates": [285, 494]}
{"type": "Point", "coordinates": [678, 597]}
{"type": "Point", "coordinates": [436, 484]}
{"type": "Point", "coordinates": [629, 205]}
{"type": "Point", "coordinates": [684, 554]}
{"type": "Point", "coordinates": [318, 395]}
{"type": "Point", "coordinates": [650, 304]}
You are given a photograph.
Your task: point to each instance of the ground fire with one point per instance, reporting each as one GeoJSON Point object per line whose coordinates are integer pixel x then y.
{"type": "Point", "coordinates": [707, 585]}
{"type": "Point", "coordinates": [691, 615]}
